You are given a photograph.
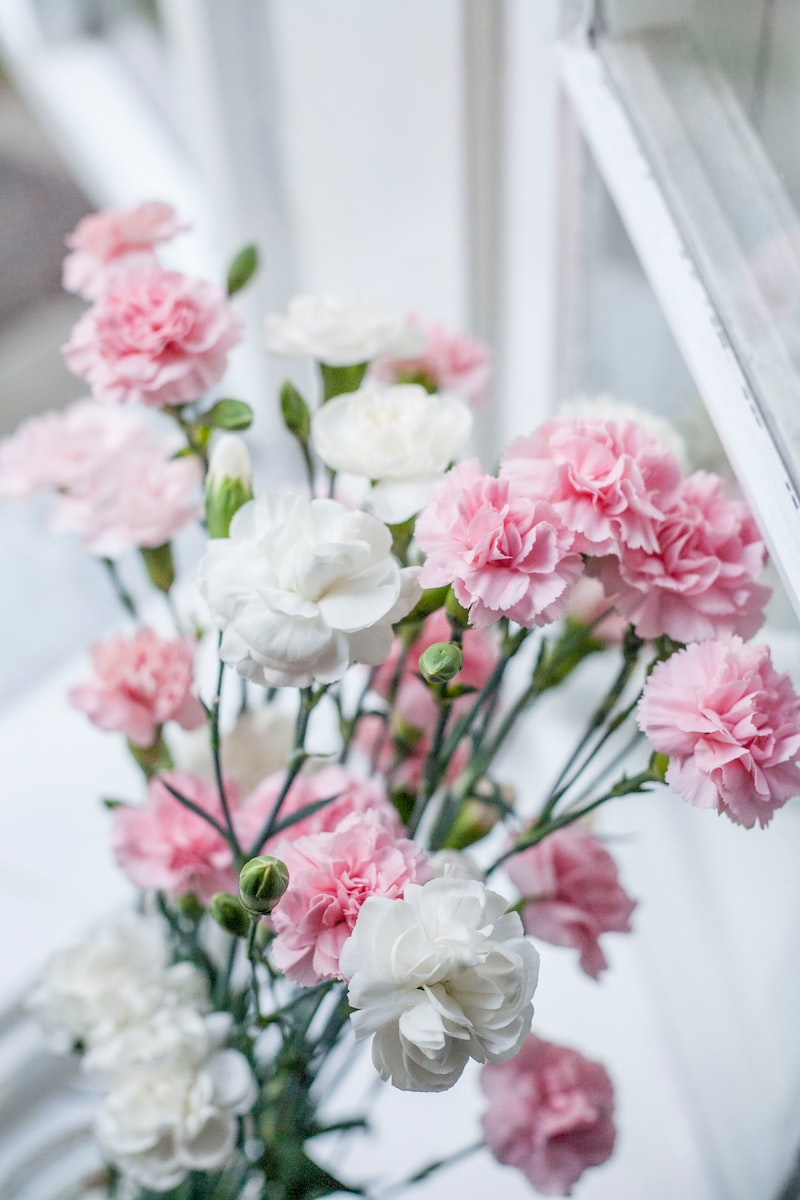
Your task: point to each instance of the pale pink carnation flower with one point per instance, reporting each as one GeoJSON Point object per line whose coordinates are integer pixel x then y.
{"type": "Point", "coordinates": [550, 1115]}
{"type": "Point", "coordinates": [164, 846]}
{"type": "Point", "coordinates": [140, 683]}
{"type": "Point", "coordinates": [730, 725]}
{"type": "Point", "coordinates": [505, 554]}
{"type": "Point", "coordinates": [156, 338]}
{"type": "Point", "coordinates": [105, 244]}
{"type": "Point", "coordinates": [609, 481]}
{"type": "Point", "coordinates": [572, 893]}
{"type": "Point", "coordinates": [449, 361]}
{"type": "Point", "coordinates": [352, 794]}
{"type": "Point", "coordinates": [59, 448]}
{"type": "Point", "coordinates": [330, 877]}
{"type": "Point", "coordinates": [699, 579]}
{"type": "Point", "coordinates": [142, 497]}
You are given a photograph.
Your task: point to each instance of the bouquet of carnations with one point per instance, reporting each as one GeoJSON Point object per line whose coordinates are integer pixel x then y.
{"type": "Point", "coordinates": [326, 850]}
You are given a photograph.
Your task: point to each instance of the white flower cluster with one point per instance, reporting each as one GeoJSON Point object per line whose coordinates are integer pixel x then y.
{"type": "Point", "coordinates": [173, 1091]}
{"type": "Point", "coordinates": [439, 977]}
{"type": "Point", "coordinates": [340, 330]}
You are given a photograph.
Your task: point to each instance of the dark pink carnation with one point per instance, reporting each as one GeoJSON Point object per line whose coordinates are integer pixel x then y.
{"type": "Point", "coordinates": [156, 338]}
{"type": "Point", "coordinates": [107, 243]}
{"type": "Point", "coordinates": [330, 877]}
{"type": "Point", "coordinates": [608, 480]}
{"type": "Point", "coordinates": [449, 362]}
{"type": "Point", "coordinates": [699, 579]}
{"type": "Point", "coordinates": [730, 725]}
{"type": "Point", "coordinates": [140, 683]}
{"type": "Point", "coordinates": [550, 1114]}
{"type": "Point", "coordinates": [352, 793]}
{"type": "Point", "coordinates": [505, 554]}
{"type": "Point", "coordinates": [572, 893]}
{"type": "Point", "coordinates": [166, 847]}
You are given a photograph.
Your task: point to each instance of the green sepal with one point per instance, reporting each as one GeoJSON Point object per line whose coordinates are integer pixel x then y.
{"type": "Point", "coordinates": [160, 566]}
{"type": "Point", "coordinates": [336, 381]}
{"type": "Point", "coordinates": [659, 765]}
{"type": "Point", "coordinates": [222, 503]}
{"type": "Point", "coordinates": [242, 269]}
{"type": "Point", "coordinates": [233, 415]}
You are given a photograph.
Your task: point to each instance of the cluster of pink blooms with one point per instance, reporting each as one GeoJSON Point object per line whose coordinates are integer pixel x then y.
{"type": "Point", "coordinates": [449, 362]}
{"type": "Point", "coordinates": [152, 336]}
{"type": "Point", "coordinates": [674, 555]}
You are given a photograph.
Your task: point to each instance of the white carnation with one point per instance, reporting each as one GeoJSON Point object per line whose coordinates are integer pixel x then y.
{"type": "Point", "coordinates": [117, 977]}
{"type": "Point", "coordinates": [441, 976]}
{"type": "Point", "coordinates": [302, 588]}
{"type": "Point", "coordinates": [400, 436]}
{"type": "Point", "coordinates": [341, 331]}
{"type": "Point", "coordinates": [176, 1115]}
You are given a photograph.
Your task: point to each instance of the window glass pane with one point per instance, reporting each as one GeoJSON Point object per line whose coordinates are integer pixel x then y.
{"type": "Point", "coordinates": [707, 91]}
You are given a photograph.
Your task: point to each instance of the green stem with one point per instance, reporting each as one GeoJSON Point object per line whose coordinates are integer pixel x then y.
{"type": "Point", "coordinates": [122, 593]}
{"type": "Point", "coordinates": [543, 828]}
{"type": "Point", "coordinates": [308, 701]}
{"type": "Point", "coordinates": [195, 808]}
{"type": "Point", "coordinates": [215, 753]}
{"type": "Point", "coordinates": [397, 1188]}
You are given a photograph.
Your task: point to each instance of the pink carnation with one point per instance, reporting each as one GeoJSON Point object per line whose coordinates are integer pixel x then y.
{"type": "Point", "coordinates": [105, 244]}
{"type": "Point", "coordinates": [505, 554]}
{"type": "Point", "coordinates": [550, 1114]}
{"type": "Point", "coordinates": [352, 793]}
{"type": "Point", "coordinates": [142, 497]}
{"type": "Point", "coordinates": [449, 362]}
{"type": "Point", "coordinates": [698, 580]}
{"type": "Point", "coordinates": [730, 725]}
{"type": "Point", "coordinates": [140, 683]}
{"type": "Point", "coordinates": [59, 448]}
{"type": "Point", "coordinates": [330, 877]}
{"type": "Point", "coordinates": [156, 338]}
{"type": "Point", "coordinates": [572, 894]}
{"type": "Point", "coordinates": [164, 846]}
{"type": "Point", "coordinates": [609, 481]}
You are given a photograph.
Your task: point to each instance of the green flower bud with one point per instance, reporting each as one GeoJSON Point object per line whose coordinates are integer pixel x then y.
{"type": "Point", "coordinates": [295, 412]}
{"type": "Point", "coordinates": [229, 483]}
{"type": "Point", "coordinates": [232, 916]}
{"type": "Point", "coordinates": [262, 882]}
{"type": "Point", "coordinates": [441, 662]}
{"type": "Point", "coordinates": [242, 269]}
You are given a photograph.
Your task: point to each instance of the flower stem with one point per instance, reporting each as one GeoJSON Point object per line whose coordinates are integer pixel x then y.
{"type": "Point", "coordinates": [123, 595]}
{"type": "Point", "coordinates": [308, 702]}
{"type": "Point", "coordinates": [213, 728]}
{"type": "Point", "coordinates": [195, 808]}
